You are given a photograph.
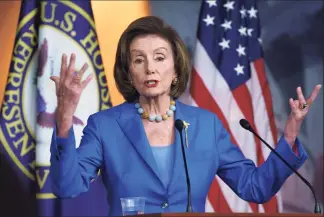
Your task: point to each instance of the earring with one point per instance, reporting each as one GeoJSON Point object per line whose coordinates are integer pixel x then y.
{"type": "Point", "coordinates": [129, 81]}
{"type": "Point", "coordinates": [175, 81]}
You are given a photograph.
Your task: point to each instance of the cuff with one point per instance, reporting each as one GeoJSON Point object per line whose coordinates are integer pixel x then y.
{"type": "Point", "coordinates": [61, 146]}
{"type": "Point", "coordinates": [285, 150]}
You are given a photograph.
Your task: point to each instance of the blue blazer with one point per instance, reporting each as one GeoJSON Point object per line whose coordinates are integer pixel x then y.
{"type": "Point", "coordinates": [115, 142]}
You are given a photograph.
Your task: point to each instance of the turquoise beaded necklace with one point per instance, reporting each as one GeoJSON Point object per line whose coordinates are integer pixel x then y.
{"type": "Point", "coordinates": [153, 117]}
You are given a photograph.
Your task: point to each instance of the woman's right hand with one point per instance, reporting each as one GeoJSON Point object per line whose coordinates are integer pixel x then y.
{"type": "Point", "coordinates": [69, 87]}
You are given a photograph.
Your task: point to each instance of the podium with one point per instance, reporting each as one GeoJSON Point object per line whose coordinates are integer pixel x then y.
{"type": "Point", "coordinates": [230, 215]}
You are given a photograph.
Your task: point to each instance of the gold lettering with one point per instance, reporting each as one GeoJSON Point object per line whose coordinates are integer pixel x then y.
{"type": "Point", "coordinates": [102, 79]}
{"type": "Point", "coordinates": [104, 106]}
{"type": "Point", "coordinates": [19, 64]}
{"type": "Point", "coordinates": [42, 180]}
{"type": "Point", "coordinates": [32, 35]}
{"type": "Point", "coordinates": [105, 96]}
{"type": "Point", "coordinates": [15, 127]}
{"type": "Point", "coordinates": [97, 60]}
{"type": "Point", "coordinates": [104, 93]}
{"type": "Point", "coordinates": [23, 49]}
{"type": "Point", "coordinates": [14, 79]}
{"type": "Point", "coordinates": [90, 42]}
{"type": "Point", "coordinates": [23, 141]}
{"type": "Point", "coordinates": [33, 164]}
{"type": "Point", "coordinates": [43, 10]}
{"type": "Point", "coordinates": [13, 96]}
{"type": "Point", "coordinates": [69, 18]}
{"type": "Point", "coordinates": [14, 112]}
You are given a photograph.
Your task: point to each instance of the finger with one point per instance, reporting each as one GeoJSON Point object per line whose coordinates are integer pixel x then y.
{"type": "Point", "coordinates": [297, 103]}
{"type": "Point", "coordinates": [86, 81]}
{"type": "Point", "coordinates": [70, 70]}
{"type": "Point", "coordinates": [55, 79]}
{"type": "Point", "coordinates": [293, 105]}
{"type": "Point", "coordinates": [63, 67]}
{"type": "Point", "coordinates": [83, 70]}
{"type": "Point", "coordinates": [57, 82]}
{"type": "Point", "coordinates": [300, 96]}
{"type": "Point", "coordinates": [314, 94]}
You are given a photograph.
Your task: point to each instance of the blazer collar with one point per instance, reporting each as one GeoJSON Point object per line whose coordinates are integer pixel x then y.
{"type": "Point", "coordinates": [131, 124]}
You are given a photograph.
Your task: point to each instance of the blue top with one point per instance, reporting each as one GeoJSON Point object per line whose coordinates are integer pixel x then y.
{"type": "Point", "coordinates": [114, 140]}
{"type": "Point", "coordinates": [164, 158]}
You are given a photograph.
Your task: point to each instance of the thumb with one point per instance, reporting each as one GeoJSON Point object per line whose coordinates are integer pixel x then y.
{"type": "Point", "coordinates": [56, 81]}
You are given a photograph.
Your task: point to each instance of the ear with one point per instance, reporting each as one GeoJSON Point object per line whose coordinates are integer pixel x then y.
{"type": "Point", "coordinates": [130, 78]}
{"type": "Point", "coordinates": [129, 74]}
{"type": "Point", "coordinates": [174, 75]}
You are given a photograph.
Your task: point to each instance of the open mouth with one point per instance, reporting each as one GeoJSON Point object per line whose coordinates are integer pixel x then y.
{"type": "Point", "coordinates": [151, 83]}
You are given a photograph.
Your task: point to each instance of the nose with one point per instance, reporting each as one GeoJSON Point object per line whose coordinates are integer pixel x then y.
{"type": "Point", "coordinates": [150, 68]}
{"type": "Point", "coordinates": [149, 71]}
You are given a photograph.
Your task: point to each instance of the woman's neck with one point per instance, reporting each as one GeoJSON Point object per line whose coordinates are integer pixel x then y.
{"type": "Point", "coordinates": [155, 105]}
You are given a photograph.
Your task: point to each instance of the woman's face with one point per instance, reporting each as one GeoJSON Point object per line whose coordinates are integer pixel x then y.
{"type": "Point", "coordinates": [152, 65]}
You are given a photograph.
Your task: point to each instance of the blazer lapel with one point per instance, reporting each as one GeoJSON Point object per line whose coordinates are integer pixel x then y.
{"type": "Point", "coordinates": [132, 126]}
{"type": "Point", "coordinates": [179, 168]}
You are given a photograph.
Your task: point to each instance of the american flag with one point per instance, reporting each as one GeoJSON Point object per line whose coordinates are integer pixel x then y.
{"type": "Point", "coordinates": [228, 79]}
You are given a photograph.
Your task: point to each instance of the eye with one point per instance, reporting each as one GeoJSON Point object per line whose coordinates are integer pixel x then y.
{"type": "Point", "coordinates": [138, 61]}
{"type": "Point", "coordinates": [160, 58]}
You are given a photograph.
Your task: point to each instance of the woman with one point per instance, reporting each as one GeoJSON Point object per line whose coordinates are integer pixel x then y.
{"type": "Point", "coordinates": [135, 144]}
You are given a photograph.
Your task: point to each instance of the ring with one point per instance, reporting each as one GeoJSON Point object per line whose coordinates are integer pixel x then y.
{"type": "Point", "coordinates": [303, 106]}
{"type": "Point", "coordinates": [77, 79]}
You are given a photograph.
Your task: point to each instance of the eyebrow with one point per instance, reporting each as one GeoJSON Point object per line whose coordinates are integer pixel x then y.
{"type": "Point", "coordinates": [135, 50]}
{"type": "Point", "coordinates": [161, 48]}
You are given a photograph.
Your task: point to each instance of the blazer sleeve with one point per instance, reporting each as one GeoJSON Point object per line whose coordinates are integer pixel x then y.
{"type": "Point", "coordinates": [72, 169]}
{"type": "Point", "coordinates": [249, 182]}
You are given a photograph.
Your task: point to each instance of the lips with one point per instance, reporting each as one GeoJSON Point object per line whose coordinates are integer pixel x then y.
{"type": "Point", "coordinates": [151, 83]}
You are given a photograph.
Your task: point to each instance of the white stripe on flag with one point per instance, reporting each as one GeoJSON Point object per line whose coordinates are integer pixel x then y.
{"type": "Point", "coordinates": [261, 119]}
{"type": "Point", "coordinates": [222, 95]}
{"type": "Point", "coordinates": [208, 206]}
{"type": "Point", "coordinates": [235, 203]}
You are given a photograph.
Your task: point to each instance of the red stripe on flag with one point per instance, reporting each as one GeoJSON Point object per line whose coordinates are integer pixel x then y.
{"type": "Point", "coordinates": [216, 198]}
{"type": "Point", "coordinates": [197, 90]}
{"type": "Point", "coordinates": [244, 101]}
{"type": "Point", "coordinates": [207, 102]}
{"type": "Point", "coordinates": [215, 195]}
{"type": "Point", "coordinates": [265, 88]}
{"type": "Point", "coordinates": [272, 205]}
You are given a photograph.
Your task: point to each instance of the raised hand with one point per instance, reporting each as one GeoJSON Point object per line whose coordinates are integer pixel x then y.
{"type": "Point", "coordinates": [69, 87]}
{"type": "Point", "coordinates": [299, 109]}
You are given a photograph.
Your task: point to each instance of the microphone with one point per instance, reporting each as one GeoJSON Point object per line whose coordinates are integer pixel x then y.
{"type": "Point", "coordinates": [179, 125]}
{"type": "Point", "coordinates": [246, 125]}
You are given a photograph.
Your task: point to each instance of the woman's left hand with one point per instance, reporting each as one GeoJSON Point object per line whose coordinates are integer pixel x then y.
{"type": "Point", "coordinates": [299, 109]}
